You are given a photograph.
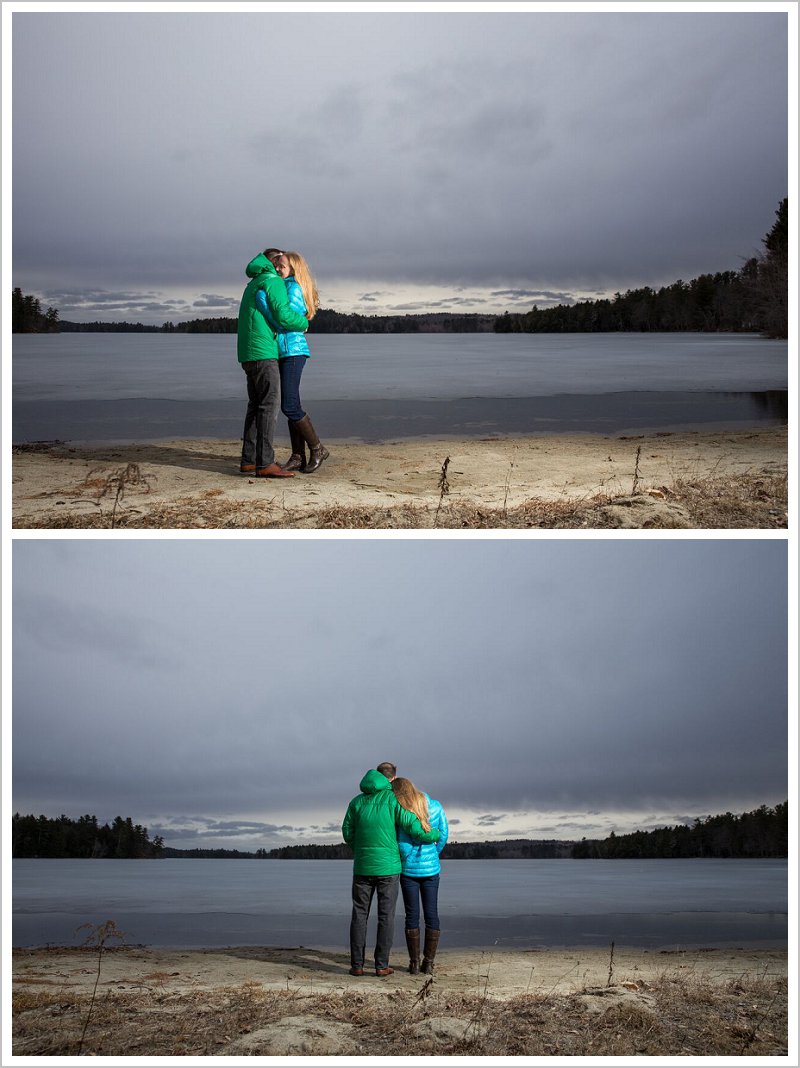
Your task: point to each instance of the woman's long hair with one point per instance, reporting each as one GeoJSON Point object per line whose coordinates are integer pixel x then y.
{"type": "Point", "coordinates": [412, 799]}
{"type": "Point", "coordinates": [305, 279]}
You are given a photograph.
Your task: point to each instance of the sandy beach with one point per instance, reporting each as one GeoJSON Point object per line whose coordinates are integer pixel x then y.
{"type": "Point", "coordinates": [302, 1001]}
{"type": "Point", "coordinates": [709, 479]}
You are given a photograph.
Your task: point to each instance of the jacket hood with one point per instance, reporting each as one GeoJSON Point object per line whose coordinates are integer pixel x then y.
{"type": "Point", "coordinates": [259, 265]}
{"type": "Point", "coordinates": [374, 781]}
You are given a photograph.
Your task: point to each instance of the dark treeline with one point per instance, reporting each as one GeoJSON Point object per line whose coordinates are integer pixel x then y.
{"type": "Point", "coordinates": [218, 325]}
{"type": "Point", "coordinates": [761, 833]}
{"type": "Point", "coordinates": [507, 850]}
{"type": "Point", "coordinates": [709, 303]}
{"type": "Point", "coordinates": [208, 854]}
{"type": "Point", "coordinates": [753, 299]}
{"type": "Point", "coordinates": [326, 321]}
{"type": "Point", "coordinates": [66, 327]}
{"type": "Point", "coordinates": [757, 834]}
{"type": "Point", "coordinates": [308, 852]}
{"type": "Point", "coordinates": [38, 836]}
{"type": "Point", "coordinates": [511, 849]}
{"type": "Point", "coordinates": [27, 316]}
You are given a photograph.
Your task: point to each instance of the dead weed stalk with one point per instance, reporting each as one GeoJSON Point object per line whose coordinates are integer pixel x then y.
{"type": "Point", "coordinates": [444, 488]}
{"type": "Point", "coordinates": [611, 967]}
{"type": "Point", "coordinates": [117, 483]}
{"type": "Point", "coordinates": [99, 935]}
{"type": "Point", "coordinates": [508, 485]}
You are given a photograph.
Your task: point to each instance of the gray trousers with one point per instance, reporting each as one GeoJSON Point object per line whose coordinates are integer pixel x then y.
{"type": "Point", "coordinates": [263, 401]}
{"type": "Point", "coordinates": [364, 888]}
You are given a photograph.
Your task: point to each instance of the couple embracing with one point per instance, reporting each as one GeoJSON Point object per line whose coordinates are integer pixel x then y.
{"type": "Point", "coordinates": [277, 304]}
{"type": "Point", "coordinates": [396, 833]}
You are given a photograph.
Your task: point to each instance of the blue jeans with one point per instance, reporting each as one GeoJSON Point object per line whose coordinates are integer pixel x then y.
{"type": "Point", "coordinates": [291, 367]}
{"type": "Point", "coordinates": [427, 890]}
{"type": "Point", "coordinates": [364, 887]}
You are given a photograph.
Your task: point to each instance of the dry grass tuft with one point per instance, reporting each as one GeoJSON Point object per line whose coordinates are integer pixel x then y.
{"type": "Point", "coordinates": [688, 1016]}
{"type": "Point", "coordinates": [736, 500]}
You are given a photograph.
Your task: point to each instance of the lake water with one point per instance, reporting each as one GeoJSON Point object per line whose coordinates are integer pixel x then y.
{"type": "Point", "coordinates": [134, 387]}
{"type": "Point", "coordinates": [193, 903]}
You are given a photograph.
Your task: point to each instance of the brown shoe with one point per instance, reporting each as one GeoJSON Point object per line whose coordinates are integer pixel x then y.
{"type": "Point", "coordinates": [356, 971]}
{"type": "Point", "coordinates": [384, 971]}
{"type": "Point", "coordinates": [247, 469]}
{"type": "Point", "coordinates": [273, 471]}
{"type": "Point", "coordinates": [297, 461]}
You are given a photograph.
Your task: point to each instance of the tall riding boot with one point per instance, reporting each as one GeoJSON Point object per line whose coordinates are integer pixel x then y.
{"type": "Point", "coordinates": [412, 941]}
{"type": "Point", "coordinates": [315, 446]}
{"type": "Point", "coordinates": [297, 461]}
{"type": "Point", "coordinates": [431, 942]}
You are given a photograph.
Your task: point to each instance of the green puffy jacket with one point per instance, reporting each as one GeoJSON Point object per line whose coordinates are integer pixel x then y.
{"type": "Point", "coordinates": [370, 827]}
{"type": "Point", "coordinates": [256, 339]}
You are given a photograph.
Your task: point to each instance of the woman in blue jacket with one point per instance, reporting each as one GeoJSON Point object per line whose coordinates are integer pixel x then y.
{"type": "Point", "coordinates": [419, 880]}
{"type": "Point", "coordinates": [301, 289]}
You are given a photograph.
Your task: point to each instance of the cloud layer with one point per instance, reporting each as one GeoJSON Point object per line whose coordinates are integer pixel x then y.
{"type": "Point", "coordinates": [554, 153]}
{"type": "Point", "coordinates": [244, 687]}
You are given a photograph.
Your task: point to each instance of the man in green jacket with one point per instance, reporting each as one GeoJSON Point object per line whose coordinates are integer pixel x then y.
{"type": "Point", "coordinates": [257, 349]}
{"type": "Point", "coordinates": [370, 829]}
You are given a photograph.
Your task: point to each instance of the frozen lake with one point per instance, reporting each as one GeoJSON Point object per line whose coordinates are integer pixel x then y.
{"type": "Point", "coordinates": [191, 903]}
{"type": "Point", "coordinates": [129, 387]}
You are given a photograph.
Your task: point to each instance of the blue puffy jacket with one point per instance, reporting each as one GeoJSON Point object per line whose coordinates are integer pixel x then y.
{"type": "Point", "coordinates": [420, 861]}
{"type": "Point", "coordinates": [290, 342]}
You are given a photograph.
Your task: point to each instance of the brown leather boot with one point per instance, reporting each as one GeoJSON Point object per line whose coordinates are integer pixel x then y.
{"type": "Point", "coordinates": [297, 461]}
{"type": "Point", "coordinates": [318, 451]}
{"type": "Point", "coordinates": [412, 942]}
{"type": "Point", "coordinates": [431, 943]}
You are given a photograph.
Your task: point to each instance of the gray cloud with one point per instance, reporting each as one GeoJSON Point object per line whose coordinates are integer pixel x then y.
{"type": "Point", "coordinates": [533, 294]}
{"type": "Point", "coordinates": [223, 829]}
{"type": "Point", "coordinates": [617, 676]}
{"type": "Point", "coordinates": [211, 300]}
{"type": "Point", "coordinates": [84, 305]}
{"type": "Point", "coordinates": [444, 304]}
{"type": "Point", "coordinates": [516, 151]}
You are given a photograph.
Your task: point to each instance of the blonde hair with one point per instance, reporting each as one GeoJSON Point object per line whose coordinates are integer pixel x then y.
{"type": "Point", "coordinates": [305, 279]}
{"type": "Point", "coordinates": [412, 799]}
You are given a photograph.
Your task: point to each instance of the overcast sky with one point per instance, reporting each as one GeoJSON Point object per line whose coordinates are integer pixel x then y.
{"type": "Point", "coordinates": [234, 692]}
{"type": "Point", "coordinates": [421, 161]}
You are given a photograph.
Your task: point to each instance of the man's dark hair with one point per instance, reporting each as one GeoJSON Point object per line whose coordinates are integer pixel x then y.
{"type": "Point", "coordinates": [270, 252]}
{"type": "Point", "coordinates": [387, 769]}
